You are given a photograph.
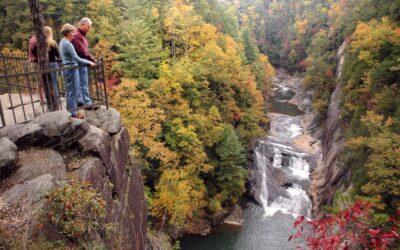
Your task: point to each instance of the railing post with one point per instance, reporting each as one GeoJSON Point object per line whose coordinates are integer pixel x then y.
{"type": "Point", "coordinates": [3, 120]}
{"type": "Point", "coordinates": [104, 82]}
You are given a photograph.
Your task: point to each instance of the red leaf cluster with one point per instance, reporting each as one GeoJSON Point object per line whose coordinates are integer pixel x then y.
{"type": "Point", "coordinates": [303, 65]}
{"type": "Point", "coordinates": [349, 228]}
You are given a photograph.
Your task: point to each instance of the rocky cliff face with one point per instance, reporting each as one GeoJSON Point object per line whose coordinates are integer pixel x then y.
{"type": "Point", "coordinates": [38, 156]}
{"type": "Point", "coordinates": [330, 176]}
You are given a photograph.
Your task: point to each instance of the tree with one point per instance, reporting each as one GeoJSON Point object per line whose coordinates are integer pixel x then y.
{"type": "Point", "coordinates": [230, 173]}
{"type": "Point", "coordinates": [179, 22]}
{"type": "Point", "coordinates": [250, 48]}
{"type": "Point", "coordinates": [263, 71]}
{"type": "Point", "coordinates": [383, 162]}
{"type": "Point", "coordinates": [140, 52]}
{"type": "Point", "coordinates": [351, 228]}
{"type": "Point", "coordinates": [106, 18]}
{"type": "Point", "coordinates": [180, 198]}
{"type": "Point", "coordinates": [39, 23]}
{"type": "Point", "coordinates": [143, 121]}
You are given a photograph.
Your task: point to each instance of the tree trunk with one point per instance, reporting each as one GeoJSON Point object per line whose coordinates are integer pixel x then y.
{"type": "Point", "coordinates": [38, 24]}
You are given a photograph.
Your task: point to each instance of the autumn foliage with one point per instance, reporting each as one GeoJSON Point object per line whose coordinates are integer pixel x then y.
{"type": "Point", "coordinates": [350, 228]}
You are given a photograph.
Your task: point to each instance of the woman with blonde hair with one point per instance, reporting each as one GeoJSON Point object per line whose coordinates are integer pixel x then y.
{"type": "Point", "coordinates": [49, 83]}
{"type": "Point", "coordinates": [54, 59]}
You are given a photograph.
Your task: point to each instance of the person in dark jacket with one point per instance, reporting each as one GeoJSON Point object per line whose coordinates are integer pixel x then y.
{"type": "Point", "coordinates": [81, 45]}
{"type": "Point", "coordinates": [54, 60]}
{"type": "Point", "coordinates": [49, 83]}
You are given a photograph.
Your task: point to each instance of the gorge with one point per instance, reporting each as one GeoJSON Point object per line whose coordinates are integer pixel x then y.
{"type": "Point", "coordinates": [279, 175]}
{"type": "Point", "coordinates": [229, 120]}
{"type": "Point", "coordinates": [295, 169]}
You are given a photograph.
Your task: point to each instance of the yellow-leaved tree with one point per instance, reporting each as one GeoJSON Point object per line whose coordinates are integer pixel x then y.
{"type": "Point", "coordinates": [143, 121]}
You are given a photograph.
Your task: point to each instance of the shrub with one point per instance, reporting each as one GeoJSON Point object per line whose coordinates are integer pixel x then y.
{"type": "Point", "coordinates": [77, 210]}
{"type": "Point", "coordinates": [352, 227]}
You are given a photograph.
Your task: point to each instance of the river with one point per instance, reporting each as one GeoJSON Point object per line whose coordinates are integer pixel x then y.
{"type": "Point", "coordinates": [284, 167]}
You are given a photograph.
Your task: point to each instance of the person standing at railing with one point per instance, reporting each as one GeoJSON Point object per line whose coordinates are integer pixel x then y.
{"type": "Point", "coordinates": [81, 45]}
{"type": "Point", "coordinates": [54, 59]}
{"type": "Point", "coordinates": [71, 58]}
{"type": "Point", "coordinates": [49, 83]}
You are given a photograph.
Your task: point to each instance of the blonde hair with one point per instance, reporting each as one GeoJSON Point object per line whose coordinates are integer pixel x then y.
{"type": "Point", "coordinates": [67, 28]}
{"type": "Point", "coordinates": [49, 35]}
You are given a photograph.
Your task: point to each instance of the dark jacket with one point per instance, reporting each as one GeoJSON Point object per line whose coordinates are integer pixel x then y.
{"type": "Point", "coordinates": [81, 45]}
{"type": "Point", "coordinates": [54, 54]}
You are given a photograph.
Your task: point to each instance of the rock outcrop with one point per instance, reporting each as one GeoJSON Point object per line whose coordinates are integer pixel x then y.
{"type": "Point", "coordinates": [330, 176]}
{"type": "Point", "coordinates": [235, 216]}
{"type": "Point", "coordinates": [55, 148]}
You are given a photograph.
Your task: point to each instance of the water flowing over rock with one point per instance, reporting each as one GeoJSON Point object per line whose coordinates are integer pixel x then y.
{"type": "Point", "coordinates": [282, 162]}
{"type": "Point", "coordinates": [53, 148]}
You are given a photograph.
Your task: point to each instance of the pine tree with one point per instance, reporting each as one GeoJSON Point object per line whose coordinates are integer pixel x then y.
{"type": "Point", "coordinates": [250, 48]}
{"type": "Point", "coordinates": [140, 52]}
{"type": "Point", "coordinates": [230, 173]}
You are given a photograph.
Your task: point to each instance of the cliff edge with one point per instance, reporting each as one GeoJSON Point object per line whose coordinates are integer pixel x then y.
{"type": "Point", "coordinates": [54, 149]}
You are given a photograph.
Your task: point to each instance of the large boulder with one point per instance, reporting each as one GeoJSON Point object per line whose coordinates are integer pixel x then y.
{"type": "Point", "coordinates": [29, 192]}
{"type": "Point", "coordinates": [20, 205]}
{"type": "Point", "coordinates": [55, 130]}
{"type": "Point", "coordinates": [8, 155]}
{"type": "Point", "coordinates": [23, 134]}
{"type": "Point", "coordinates": [93, 171]}
{"type": "Point", "coordinates": [36, 162]}
{"type": "Point", "coordinates": [235, 216]}
{"type": "Point", "coordinates": [119, 157]}
{"type": "Point", "coordinates": [108, 120]}
{"type": "Point", "coordinates": [97, 142]}
{"type": "Point", "coordinates": [60, 130]}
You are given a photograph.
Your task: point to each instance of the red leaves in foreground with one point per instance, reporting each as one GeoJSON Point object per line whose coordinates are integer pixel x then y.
{"type": "Point", "coordinates": [348, 228]}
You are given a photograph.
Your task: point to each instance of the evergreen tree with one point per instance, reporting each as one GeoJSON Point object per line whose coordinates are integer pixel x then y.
{"type": "Point", "coordinates": [140, 52]}
{"type": "Point", "coordinates": [250, 47]}
{"type": "Point", "coordinates": [230, 174]}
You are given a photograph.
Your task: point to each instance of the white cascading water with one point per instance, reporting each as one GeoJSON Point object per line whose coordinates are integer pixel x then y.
{"type": "Point", "coordinates": [261, 159]}
{"type": "Point", "coordinates": [284, 129]}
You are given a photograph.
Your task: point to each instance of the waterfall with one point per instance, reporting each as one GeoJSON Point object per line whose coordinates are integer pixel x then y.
{"type": "Point", "coordinates": [284, 168]}
{"type": "Point", "coordinates": [295, 200]}
{"type": "Point", "coordinates": [261, 162]}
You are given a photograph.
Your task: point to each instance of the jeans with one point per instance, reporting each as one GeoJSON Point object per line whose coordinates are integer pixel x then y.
{"type": "Point", "coordinates": [54, 78]}
{"type": "Point", "coordinates": [72, 85]}
{"type": "Point", "coordinates": [84, 95]}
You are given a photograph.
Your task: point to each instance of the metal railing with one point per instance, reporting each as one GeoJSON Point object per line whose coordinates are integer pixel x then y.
{"type": "Point", "coordinates": [26, 91]}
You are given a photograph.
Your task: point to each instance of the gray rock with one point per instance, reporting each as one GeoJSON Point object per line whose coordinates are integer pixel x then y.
{"type": "Point", "coordinates": [331, 175]}
{"type": "Point", "coordinates": [55, 130]}
{"type": "Point", "coordinates": [30, 192]}
{"type": "Point", "coordinates": [108, 120]}
{"type": "Point", "coordinates": [23, 134]}
{"type": "Point", "coordinates": [97, 142]}
{"type": "Point", "coordinates": [283, 178]}
{"type": "Point", "coordinates": [22, 204]}
{"type": "Point", "coordinates": [8, 154]}
{"type": "Point", "coordinates": [60, 130]}
{"type": "Point", "coordinates": [53, 123]}
{"type": "Point", "coordinates": [235, 216]}
{"type": "Point", "coordinates": [120, 146]}
{"type": "Point", "coordinates": [92, 155]}
{"type": "Point", "coordinates": [34, 163]}
{"type": "Point", "coordinates": [93, 171]}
